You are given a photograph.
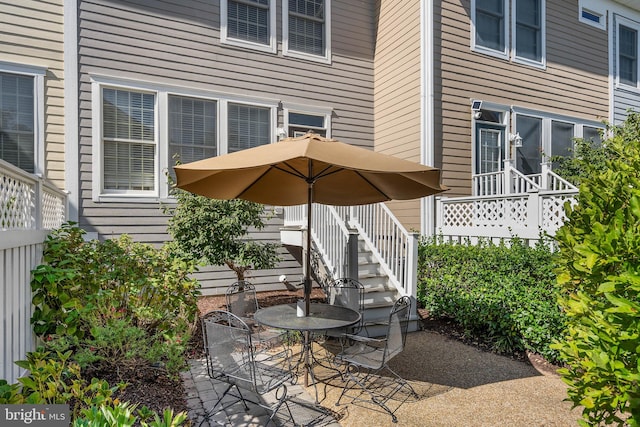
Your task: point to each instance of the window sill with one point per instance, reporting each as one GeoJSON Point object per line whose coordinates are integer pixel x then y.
{"type": "Point", "coordinates": [271, 48]}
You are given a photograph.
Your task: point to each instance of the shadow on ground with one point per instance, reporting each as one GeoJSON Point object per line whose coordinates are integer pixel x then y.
{"type": "Point", "coordinates": [436, 359]}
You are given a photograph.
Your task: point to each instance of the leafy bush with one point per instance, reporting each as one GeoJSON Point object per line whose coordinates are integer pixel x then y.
{"type": "Point", "coordinates": [54, 379]}
{"type": "Point", "coordinates": [113, 302]}
{"type": "Point", "coordinates": [599, 275]}
{"type": "Point", "coordinates": [215, 232]}
{"type": "Point", "coordinates": [504, 295]}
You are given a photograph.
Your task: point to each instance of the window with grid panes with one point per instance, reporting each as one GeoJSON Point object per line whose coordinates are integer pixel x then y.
{"type": "Point", "coordinates": [307, 26]}
{"type": "Point", "coordinates": [17, 121]}
{"type": "Point", "coordinates": [248, 126]}
{"type": "Point", "coordinates": [511, 29]}
{"type": "Point", "coordinates": [490, 24]}
{"type": "Point", "coordinates": [628, 55]}
{"type": "Point", "coordinates": [192, 129]}
{"type": "Point", "coordinates": [248, 20]}
{"type": "Point", "coordinates": [528, 34]}
{"type": "Point", "coordinates": [129, 141]}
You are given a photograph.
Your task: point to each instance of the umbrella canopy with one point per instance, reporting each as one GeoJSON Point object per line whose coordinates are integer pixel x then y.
{"type": "Point", "coordinates": [280, 174]}
{"type": "Point", "coordinates": [305, 170]}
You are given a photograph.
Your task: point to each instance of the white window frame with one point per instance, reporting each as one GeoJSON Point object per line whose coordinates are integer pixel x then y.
{"type": "Point", "coordinates": [635, 26]}
{"type": "Point", "coordinates": [162, 92]}
{"type": "Point", "coordinates": [326, 58]}
{"type": "Point", "coordinates": [326, 112]}
{"type": "Point", "coordinates": [98, 191]}
{"type": "Point", "coordinates": [543, 48]}
{"type": "Point", "coordinates": [38, 74]}
{"type": "Point", "coordinates": [509, 52]}
{"type": "Point", "coordinates": [224, 30]}
{"type": "Point", "coordinates": [485, 50]}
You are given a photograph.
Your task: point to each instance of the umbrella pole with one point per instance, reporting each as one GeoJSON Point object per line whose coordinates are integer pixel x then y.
{"type": "Point", "coordinates": [307, 273]}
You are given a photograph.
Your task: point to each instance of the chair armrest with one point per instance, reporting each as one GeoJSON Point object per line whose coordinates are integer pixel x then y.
{"type": "Point", "coordinates": [365, 340]}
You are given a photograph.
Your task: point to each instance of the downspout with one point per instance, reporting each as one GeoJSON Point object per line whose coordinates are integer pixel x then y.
{"type": "Point", "coordinates": [427, 149]}
{"type": "Point", "coordinates": [71, 129]}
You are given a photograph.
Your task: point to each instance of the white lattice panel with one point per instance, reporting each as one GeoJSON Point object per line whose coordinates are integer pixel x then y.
{"type": "Point", "coordinates": [553, 214]}
{"type": "Point", "coordinates": [500, 212]}
{"type": "Point", "coordinates": [458, 214]}
{"type": "Point", "coordinates": [16, 204]}
{"type": "Point", "coordinates": [53, 210]}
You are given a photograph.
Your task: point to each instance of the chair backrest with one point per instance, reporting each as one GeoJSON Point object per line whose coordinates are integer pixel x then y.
{"type": "Point", "coordinates": [231, 358]}
{"type": "Point", "coordinates": [241, 299]}
{"type": "Point", "coordinates": [397, 329]}
{"type": "Point", "coordinates": [348, 293]}
{"type": "Point", "coordinates": [228, 349]}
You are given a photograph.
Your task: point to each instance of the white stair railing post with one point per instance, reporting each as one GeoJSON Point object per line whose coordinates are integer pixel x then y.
{"type": "Point", "coordinates": [544, 178]}
{"type": "Point", "coordinates": [507, 176]}
{"type": "Point", "coordinates": [534, 214]}
{"type": "Point", "coordinates": [411, 276]}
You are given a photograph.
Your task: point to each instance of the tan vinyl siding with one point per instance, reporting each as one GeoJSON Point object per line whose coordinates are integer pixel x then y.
{"type": "Point", "coordinates": [32, 34]}
{"type": "Point", "coordinates": [574, 82]}
{"type": "Point", "coordinates": [397, 91]}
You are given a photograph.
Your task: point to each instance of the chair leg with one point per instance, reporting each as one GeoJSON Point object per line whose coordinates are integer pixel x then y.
{"type": "Point", "coordinates": [378, 399]}
{"type": "Point", "coordinates": [281, 400]}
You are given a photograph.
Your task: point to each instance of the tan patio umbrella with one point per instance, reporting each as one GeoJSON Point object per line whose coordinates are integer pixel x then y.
{"type": "Point", "coordinates": [305, 170]}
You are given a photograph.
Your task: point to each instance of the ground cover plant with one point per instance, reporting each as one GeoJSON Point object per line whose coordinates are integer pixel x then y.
{"type": "Point", "coordinates": [501, 294]}
{"type": "Point", "coordinates": [108, 310]}
{"type": "Point", "coordinates": [599, 279]}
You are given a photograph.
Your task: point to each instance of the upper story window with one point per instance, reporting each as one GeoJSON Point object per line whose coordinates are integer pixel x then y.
{"type": "Point", "coordinates": [628, 55]}
{"type": "Point", "coordinates": [490, 24]}
{"type": "Point", "coordinates": [249, 23]}
{"type": "Point", "coordinates": [306, 29]}
{"type": "Point", "coordinates": [520, 39]}
{"type": "Point", "coordinates": [22, 116]}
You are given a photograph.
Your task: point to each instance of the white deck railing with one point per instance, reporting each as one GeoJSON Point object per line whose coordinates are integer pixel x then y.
{"type": "Point", "coordinates": [512, 181]}
{"type": "Point", "coordinates": [29, 206]}
{"type": "Point", "coordinates": [527, 216]}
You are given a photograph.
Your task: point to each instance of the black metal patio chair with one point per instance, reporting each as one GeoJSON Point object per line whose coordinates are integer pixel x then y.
{"type": "Point", "coordinates": [368, 358]}
{"type": "Point", "coordinates": [231, 359]}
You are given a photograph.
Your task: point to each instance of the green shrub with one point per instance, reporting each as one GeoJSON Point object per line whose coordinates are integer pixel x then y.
{"type": "Point", "coordinates": [502, 294]}
{"type": "Point", "coordinates": [55, 379]}
{"type": "Point", "coordinates": [599, 276]}
{"type": "Point", "coordinates": [113, 302]}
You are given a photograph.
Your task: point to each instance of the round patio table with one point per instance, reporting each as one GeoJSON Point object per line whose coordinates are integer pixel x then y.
{"type": "Point", "coordinates": [322, 317]}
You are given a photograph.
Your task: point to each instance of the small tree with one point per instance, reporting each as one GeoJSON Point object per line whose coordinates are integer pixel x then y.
{"type": "Point", "coordinates": [216, 232]}
{"type": "Point", "coordinates": [599, 278]}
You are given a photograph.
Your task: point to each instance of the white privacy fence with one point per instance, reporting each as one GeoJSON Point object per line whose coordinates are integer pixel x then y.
{"type": "Point", "coordinates": [29, 206]}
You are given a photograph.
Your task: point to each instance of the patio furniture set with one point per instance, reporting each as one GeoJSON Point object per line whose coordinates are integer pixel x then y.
{"type": "Point", "coordinates": [250, 348]}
